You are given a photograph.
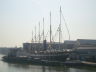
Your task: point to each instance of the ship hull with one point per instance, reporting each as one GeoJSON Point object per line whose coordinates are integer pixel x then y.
{"type": "Point", "coordinates": [46, 59]}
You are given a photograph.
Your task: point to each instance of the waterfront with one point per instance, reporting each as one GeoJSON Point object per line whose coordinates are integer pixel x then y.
{"type": "Point", "coordinates": [9, 67]}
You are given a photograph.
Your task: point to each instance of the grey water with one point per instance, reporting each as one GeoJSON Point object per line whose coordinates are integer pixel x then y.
{"type": "Point", "coordinates": [11, 67]}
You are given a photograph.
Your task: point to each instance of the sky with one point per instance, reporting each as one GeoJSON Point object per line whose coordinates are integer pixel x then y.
{"type": "Point", "coordinates": [18, 18]}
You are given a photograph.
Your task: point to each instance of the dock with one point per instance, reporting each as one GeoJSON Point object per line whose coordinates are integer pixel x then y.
{"type": "Point", "coordinates": [88, 63]}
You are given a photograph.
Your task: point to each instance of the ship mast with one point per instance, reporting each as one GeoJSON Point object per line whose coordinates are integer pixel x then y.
{"type": "Point", "coordinates": [32, 37]}
{"type": "Point", "coordinates": [43, 29]}
{"type": "Point", "coordinates": [50, 31]}
{"type": "Point", "coordinates": [39, 32]}
{"type": "Point", "coordinates": [35, 33]}
{"type": "Point", "coordinates": [60, 29]}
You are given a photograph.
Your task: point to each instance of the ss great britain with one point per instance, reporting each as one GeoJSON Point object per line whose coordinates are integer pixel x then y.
{"type": "Point", "coordinates": [45, 56]}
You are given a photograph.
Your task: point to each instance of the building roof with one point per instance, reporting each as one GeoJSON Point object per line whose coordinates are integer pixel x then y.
{"type": "Point", "coordinates": [86, 41]}
{"type": "Point", "coordinates": [87, 47]}
{"type": "Point", "coordinates": [69, 42]}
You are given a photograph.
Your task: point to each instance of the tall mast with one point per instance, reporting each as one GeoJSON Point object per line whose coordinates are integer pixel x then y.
{"type": "Point", "coordinates": [35, 33]}
{"type": "Point", "coordinates": [50, 29]}
{"type": "Point", "coordinates": [43, 29]}
{"type": "Point", "coordinates": [39, 32]}
{"type": "Point", "coordinates": [32, 37]}
{"type": "Point", "coordinates": [60, 29]}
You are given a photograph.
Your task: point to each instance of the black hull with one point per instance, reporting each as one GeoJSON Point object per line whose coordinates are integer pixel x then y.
{"type": "Point", "coordinates": [37, 59]}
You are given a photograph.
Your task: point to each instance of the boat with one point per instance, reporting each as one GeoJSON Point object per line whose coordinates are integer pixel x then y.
{"type": "Point", "coordinates": [45, 58]}
{"type": "Point", "coordinates": [41, 57]}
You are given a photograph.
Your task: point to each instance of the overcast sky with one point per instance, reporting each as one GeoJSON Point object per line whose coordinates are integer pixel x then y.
{"type": "Point", "coordinates": [19, 17]}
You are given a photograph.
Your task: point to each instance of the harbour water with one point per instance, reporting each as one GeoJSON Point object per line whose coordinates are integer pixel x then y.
{"type": "Point", "coordinates": [10, 67]}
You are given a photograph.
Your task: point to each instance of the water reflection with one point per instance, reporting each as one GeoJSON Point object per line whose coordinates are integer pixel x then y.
{"type": "Point", "coordinates": [36, 68]}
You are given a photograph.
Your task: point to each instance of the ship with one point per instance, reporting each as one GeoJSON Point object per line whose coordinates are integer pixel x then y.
{"type": "Point", "coordinates": [48, 58]}
{"type": "Point", "coordinates": [41, 57]}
